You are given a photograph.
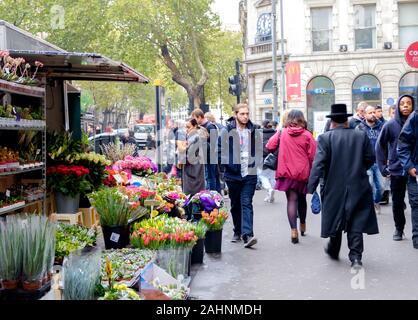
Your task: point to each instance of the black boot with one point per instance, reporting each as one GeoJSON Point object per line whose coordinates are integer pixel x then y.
{"type": "Point", "coordinates": [385, 197]}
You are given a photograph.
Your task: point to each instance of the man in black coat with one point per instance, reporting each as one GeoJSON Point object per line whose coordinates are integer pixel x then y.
{"type": "Point", "coordinates": [342, 158]}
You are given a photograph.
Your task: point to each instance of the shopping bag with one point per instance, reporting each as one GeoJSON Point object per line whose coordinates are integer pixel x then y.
{"type": "Point", "coordinates": [316, 203]}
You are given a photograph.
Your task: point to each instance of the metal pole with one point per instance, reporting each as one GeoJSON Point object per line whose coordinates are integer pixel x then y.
{"type": "Point", "coordinates": [158, 123]}
{"type": "Point", "coordinates": [282, 58]}
{"type": "Point", "coordinates": [237, 68]}
{"type": "Point", "coordinates": [220, 97]}
{"type": "Point", "coordinates": [274, 57]}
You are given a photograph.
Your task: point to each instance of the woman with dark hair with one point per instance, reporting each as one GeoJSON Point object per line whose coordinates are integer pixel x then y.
{"type": "Point", "coordinates": [192, 157]}
{"type": "Point", "coordinates": [296, 154]}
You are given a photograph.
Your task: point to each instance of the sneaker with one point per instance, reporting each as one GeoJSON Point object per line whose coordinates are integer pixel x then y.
{"type": "Point", "coordinates": [249, 242]}
{"type": "Point", "coordinates": [236, 238]}
{"type": "Point", "coordinates": [385, 198]}
{"type": "Point", "coordinates": [398, 235]}
{"type": "Point", "coordinates": [356, 264]}
{"type": "Point", "coordinates": [271, 195]}
{"type": "Point", "coordinates": [377, 208]}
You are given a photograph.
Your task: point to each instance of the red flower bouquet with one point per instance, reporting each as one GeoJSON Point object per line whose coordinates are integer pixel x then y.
{"type": "Point", "coordinates": [69, 180]}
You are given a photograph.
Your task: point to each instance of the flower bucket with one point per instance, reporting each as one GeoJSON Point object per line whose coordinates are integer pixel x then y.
{"type": "Point", "coordinates": [66, 204]}
{"type": "Point", "coordinates": [198, 251]}
{"type": "Point", "coordinates": [116, 237]}
{"type": "Point", "coordinates": [175, 261]}
{"type": "Point", "coordinates": [213, 241]}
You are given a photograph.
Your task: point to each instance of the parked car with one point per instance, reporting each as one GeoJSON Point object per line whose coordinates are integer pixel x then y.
{"type": "Point", "coordinates": [145, 135]}
{"type": "Point", "coordinates": [101, 139]}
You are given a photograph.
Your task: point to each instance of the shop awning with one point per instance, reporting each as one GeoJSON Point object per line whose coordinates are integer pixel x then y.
{"type": "Point", "coordinates": [80, 66]}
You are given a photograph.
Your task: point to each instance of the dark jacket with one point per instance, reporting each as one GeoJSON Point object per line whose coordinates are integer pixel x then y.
{"type": "Point", "coordinates": [229, 155]}
{"type": "Point", "coordinates": [386, 154]}
{"type": "Point", "coordinates": [354, 122]}
{"type": "Point", "coordinates": [342, 158]}
{"type": "Point", "coordinates": [408, 141]}
{"type": "Point", "coordinates": [372, 132]}
{"type": "Point", "coordinates": [211, 142]}
{"type": "Point", "coordinates": [267, 134]}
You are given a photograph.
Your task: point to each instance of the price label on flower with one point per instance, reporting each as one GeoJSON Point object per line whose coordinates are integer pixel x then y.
{"type": "Point", "coordinates": [114, 237]}
{"type": "Point", "coordinates": [118, 178]}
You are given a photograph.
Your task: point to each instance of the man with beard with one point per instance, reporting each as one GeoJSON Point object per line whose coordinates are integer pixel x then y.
{"type": "Point", "coordinates": [343, 155]}
{"type": "Point", "coordinates": [390, 164]}
{"type": "Point", "coordinates": [240, 152]}
{"type": "Point", "coordinates": [372, 127]}
{"type": "Point", "coordinates": [408, 154]}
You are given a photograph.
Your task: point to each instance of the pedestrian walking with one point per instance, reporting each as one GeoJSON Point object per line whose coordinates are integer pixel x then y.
{"type": "Point", "coordinates": [266, 174]}
{"type": "Point", "coordinates": [296, 153]}
{"type": "Point", "coordinates": [407, 151]}
{"type": "Point", "coordinates": [210, 159]}
{"type": "Point", "coordinates": [390, 164]}
{"type": "Point", "coordinates": [342, 158]}
{"type": "Point", "coordinates": [359, 116]}
{"type": "Point", "coordinates": [372, 127]}
{"type": "Point", "coordinates": [240, 153]}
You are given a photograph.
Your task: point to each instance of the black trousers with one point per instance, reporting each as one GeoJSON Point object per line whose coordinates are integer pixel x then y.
{"type": "Point", "coordinates": [355, 244]}
{"type": "Point", "coordinates": [398, 189]}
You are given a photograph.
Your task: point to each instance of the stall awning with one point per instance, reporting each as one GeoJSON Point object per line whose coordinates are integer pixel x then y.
{"type": "Point", "coordinates": [80, 66]}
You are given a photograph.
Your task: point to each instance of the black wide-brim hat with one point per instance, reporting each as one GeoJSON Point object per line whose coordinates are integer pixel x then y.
{"type": "Point", "coordinates": [339, 110]}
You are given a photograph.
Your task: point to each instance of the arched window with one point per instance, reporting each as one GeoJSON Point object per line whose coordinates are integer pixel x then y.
{"type": "Point", "coordinates": [409, 85]}
{"type": "Point", "coordinates": [366, 88]}
{"type": "Point", "coordinates": [320, 95]}
{"type": "Point", "coordinates": [268, 86]}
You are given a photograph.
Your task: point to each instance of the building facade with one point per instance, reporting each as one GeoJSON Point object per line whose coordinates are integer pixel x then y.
{"type": "Point", "coordinates": [336, 51]}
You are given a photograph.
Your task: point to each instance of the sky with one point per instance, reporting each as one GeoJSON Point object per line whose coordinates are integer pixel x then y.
{"type": "Point", "coordinates": [228, 11]}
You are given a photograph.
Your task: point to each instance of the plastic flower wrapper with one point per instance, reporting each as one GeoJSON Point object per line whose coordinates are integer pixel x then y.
{"type": "Point", "coordinates": [173, 291]}
{"type": "Point", "coordinates": [208, 200]}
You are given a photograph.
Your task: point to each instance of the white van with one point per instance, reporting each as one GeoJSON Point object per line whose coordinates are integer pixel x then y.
{"type": "Point", "coordinates": [144, 134]}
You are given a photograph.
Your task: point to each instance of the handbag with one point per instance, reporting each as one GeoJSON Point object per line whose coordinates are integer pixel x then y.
{"type": "Point", "coordinates": [316, 203]}
{"type": "Point", "coordinates": [270, 162]}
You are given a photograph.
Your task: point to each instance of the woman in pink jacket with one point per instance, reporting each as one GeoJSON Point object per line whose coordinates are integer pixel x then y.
{"type": "Point", "coordinates": [296, 154]}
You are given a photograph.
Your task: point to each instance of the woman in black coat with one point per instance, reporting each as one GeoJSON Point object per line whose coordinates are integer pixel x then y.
{"type": "Point", "coordinates": [342, 158]}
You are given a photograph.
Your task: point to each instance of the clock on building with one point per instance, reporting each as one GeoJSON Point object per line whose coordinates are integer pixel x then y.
{"type": "Point", "coordinates": [264, 24]}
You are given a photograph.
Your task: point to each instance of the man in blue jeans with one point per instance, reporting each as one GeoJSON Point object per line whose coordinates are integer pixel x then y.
{"type": "Point", "coordinates": [408, 154]}
{"type": "Point", "coordinates": [240, 152]}
{"type": "Point", "coordinates": [372, 127]}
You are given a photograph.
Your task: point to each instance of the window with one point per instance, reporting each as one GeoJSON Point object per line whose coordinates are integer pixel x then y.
{"type": "Point", "coordinates": [408, 24]}
{"type": "Point", "coordinates": [321, 29]}
{"type": "Point", "coordinates": [320, 95]}
{"type": "Point", "coordinates": [366, 88]}
{"type": "Point", "coordinates": [365, 26]}
{"type": "Point", "coordinates": [268, 86]}
{"type": "Point", "coordinates": [409, 85]}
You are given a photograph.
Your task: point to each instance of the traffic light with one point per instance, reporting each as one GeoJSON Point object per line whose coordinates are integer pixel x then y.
{"type": "Point", "coordinates": [234, 85]}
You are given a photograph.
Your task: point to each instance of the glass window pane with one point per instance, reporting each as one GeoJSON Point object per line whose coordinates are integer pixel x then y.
{"type": "Point", "coordinates": [364, 16]}
{"type": "Point", "coordinates": [409, 85]}
{"type": "Point", "coordinates": [408, 14]}
{"type": "Point", "coordinates": [321, 40]}
{"type": "Point", "coordinates": [366, 88]}
{"type": "Point", "coordinates": [365, 38]}
{"type": "Point", "coordinates": [268, 86]}
{"type": "Point", "coordinates": [407, 35]}
{"type": "Point", "coordinates": [321, 19]}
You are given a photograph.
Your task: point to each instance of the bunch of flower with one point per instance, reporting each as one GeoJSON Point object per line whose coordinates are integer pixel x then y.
{"type": "Point", "coordinates": [137, 195]}
{"type": "Point", "coordinates": [163, 232]}
{"type": "Point", "coordinates": [17, 70]}
{"type": "Point", "coordinates": [68, 179]}
{"type": "Point", "coordinates": [216, 219]}
{"type": "Point", "coordinates": [207, 200]}
{"type": "Point", "coordinates": [91, 157]}
{"type": "Point", "coordinates": [110, 180]}
{"type": "Point", "coordinates": [140, 166]}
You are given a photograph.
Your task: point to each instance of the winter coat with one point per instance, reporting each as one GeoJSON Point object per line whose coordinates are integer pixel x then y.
{"type": "Point", "coordinates": [354, 122]}
{"type": "Point", "coordinates": [296, 153]}
{"type": "Point", "coordinates": [342, 159]}
{"type": "Point", "coordinates": [229, 155]}
{"type": "Point", "coordinates": [386, 154]}
{"type": "Point", "coordinates": [194, 170]}
{"type": "Point", "coordinates": [267, 134]}
{"type": "Point", "coordinates": [372, 132]}
{"type": "Point", "coordinates": [211, 142]}
{"type": "Point", "coordinates": [408, 141]}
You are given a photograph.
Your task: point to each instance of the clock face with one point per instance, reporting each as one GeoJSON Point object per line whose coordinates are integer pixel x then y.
{"type": "Point", "coordinates": [264, 24]}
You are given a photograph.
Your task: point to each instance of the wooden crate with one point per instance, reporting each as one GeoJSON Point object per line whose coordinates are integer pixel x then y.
{"type": "Point", "coordinates": [90, 217]}
{"type": "Point", "coordinates": [71, 218]}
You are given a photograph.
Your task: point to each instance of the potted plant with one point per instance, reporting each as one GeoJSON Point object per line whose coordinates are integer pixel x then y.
{"type": "Point", "coordinates": [206, 200]}
{"type": "Point", "coordinates": [199, 248]}
{"type": "Point", "coordinates": [115, 212]}
{"type": "Point", "coordinates": [10, 252]}
{"type": "Point", "coordinates": [214, 221]}
{"type": "Point", "coordinates": [68, 181]}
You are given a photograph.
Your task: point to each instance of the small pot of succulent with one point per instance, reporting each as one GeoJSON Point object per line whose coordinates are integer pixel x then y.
{"type": "Point", "coordinates": [11, 254]}
{"type": "Point", "coordinates": [115, 212]}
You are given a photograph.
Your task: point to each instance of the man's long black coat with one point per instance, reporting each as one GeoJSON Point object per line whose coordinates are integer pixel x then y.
{"type": "Point", "coordinates": [342, 158]}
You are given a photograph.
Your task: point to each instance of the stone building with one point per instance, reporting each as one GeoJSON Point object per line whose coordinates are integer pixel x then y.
{"type": "Point", "coordinates": [346, 50]}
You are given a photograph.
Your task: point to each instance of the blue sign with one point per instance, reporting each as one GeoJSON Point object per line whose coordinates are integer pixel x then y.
{"type": "Point", "coordinates": [366, 89]}
{"type": "Point", "coordinates": [320, 91]}
{"type": "Point", "coordinates": [268, 101]}
{"type": "Point", "coordinates": [390, 101]}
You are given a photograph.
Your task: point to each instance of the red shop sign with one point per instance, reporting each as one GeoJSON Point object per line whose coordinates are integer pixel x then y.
{"type": "Point", "coordinates": [293, 82]}
{"type": "Point", "coordinates": [411, 55]}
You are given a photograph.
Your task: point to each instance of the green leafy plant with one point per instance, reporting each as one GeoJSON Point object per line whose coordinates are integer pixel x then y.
{"type": "Point", "coordinates": [112, 206]}
{"type": "Point", "coordinates": [117, 151]}
{"type": "Point", "coordinates": [11, 254]}
{"type": "Point", "coordinates": [200, 229]}
{"type": "Point", "coordinates": [62, 146]}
